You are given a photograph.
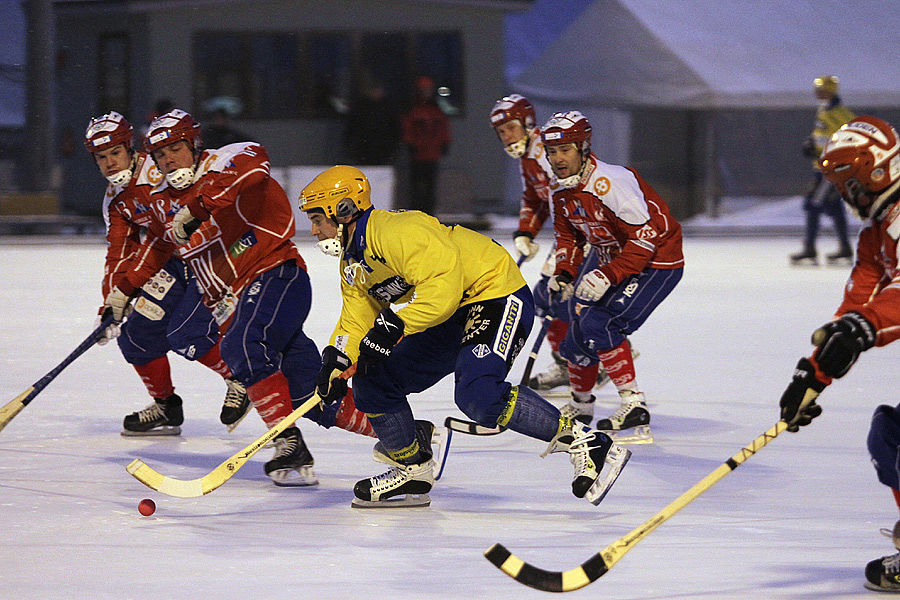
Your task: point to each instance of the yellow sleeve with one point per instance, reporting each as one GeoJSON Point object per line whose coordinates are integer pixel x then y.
{"type": "Point", "coordinates": [420, 250]}
{"type": "Point", "coordinates": [358, 311]}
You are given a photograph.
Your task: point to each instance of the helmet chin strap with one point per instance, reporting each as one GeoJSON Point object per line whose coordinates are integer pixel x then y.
{"type": "Point", "coordinates": [332, 246]}
{"type": "Point", "coordinates": [181, 178]}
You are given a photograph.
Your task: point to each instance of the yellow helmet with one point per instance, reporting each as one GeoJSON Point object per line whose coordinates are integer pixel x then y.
{"type": "Point", "coordinates": [826, 83]}
{"type": "Point", "coordinates": [339, 192]}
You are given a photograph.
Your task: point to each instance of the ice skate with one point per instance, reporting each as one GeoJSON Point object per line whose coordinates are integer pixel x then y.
{"type": "Point", "coordinates": [292, 464]}
{"type": "Point", "coordinates": [578, 410]}
{"type": "Point", "coordinates": [438, 438]}
{"type": "Point", "coordinates": [402, 486]}
{"type": "Point", "coordinates": [841, 258]}
{"type": "Point", "coordinates": [807, 258]}
{"type": "Point", "coordinates": [883, 574]}
{"type": "Point", "coordinates": [555, 376]}
{"type": "Point", "coordinates": [236, 405]}
{"type": "Point", "coordinates": [163, 417]}
{"type": "Point", "coordinates": [590, 450]}
{"type": "Point", "coordinates": [632, 415]}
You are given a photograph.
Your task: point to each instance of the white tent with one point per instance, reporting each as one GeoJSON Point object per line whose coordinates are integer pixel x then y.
{"type": "Point", "coordinates": [718, 55]}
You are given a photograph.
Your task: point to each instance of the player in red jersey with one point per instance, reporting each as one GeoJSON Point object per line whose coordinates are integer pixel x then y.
{"type": "Point", "coordinates": [635, 261]}
{"type": "Point", "coordinates": [233, 226]}
{"type": "Point", "coordinates": [862, 160]}
{"type": "Point", "coordinates": [168, 314]}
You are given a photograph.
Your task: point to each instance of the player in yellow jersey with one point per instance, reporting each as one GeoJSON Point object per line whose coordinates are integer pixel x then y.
{"type": "Point", "coordinates": [467, 311]}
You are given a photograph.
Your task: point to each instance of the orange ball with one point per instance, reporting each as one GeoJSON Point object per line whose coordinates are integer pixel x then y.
{"type": "Point", "coordinates": [147, 507]}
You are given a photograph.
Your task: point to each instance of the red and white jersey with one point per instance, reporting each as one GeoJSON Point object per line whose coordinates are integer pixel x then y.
{"type": "Point", "coordinates": [536, 176]}
{"type": "Point", "coordinates": [247, 222]}
{"type": "Point", "coordinates": [873, 288]}
{"type": "Point", "coordinates": [615, 211]}
{"type": "Point", "coordinates": [129, 221]}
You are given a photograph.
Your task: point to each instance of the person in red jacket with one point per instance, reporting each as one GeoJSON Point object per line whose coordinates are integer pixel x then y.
{"type": "Point", "coordinates": [426, 133]}
{"type": "Point", "coordinates": [168, 314]}
{"type": "Point", "coordinates": [862, 160]}
{"type": "Point", "coordinates": [634, 263]}
{"type": "Point", "coordinates": [233, 224]}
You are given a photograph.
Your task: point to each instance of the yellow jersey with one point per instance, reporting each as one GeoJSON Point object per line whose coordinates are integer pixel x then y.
{"type": "Point", "coordinates": [412, 258]}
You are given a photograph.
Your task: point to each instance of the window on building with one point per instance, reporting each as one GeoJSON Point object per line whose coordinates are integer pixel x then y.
{"type": "Point", "coordinates": [315, 74]}
{"type": "Point", "coordinates": [114, 80]}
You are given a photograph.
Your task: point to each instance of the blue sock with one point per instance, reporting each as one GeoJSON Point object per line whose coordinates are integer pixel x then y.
{"type": "Point", "coordinates": [529, 414]}
{"type": "Point", "coordinates": [397, 433]}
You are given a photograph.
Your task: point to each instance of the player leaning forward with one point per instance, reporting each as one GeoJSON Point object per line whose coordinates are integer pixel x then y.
{"type": "Point", "coordinates": [635, 261]}
{"type": "Point", "coordinates": [233, 224]}
{"type": "Point", "coordinates": [469, 312]}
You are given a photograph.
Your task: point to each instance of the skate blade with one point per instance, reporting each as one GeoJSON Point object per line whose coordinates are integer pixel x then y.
{"type": "Point", "coordinates": [302, 477]}
{"type": "Point", "coordinates": [639, 435]}
{"type": "Point", "coordinates": [234, 425]}
{"type": "Point", "coordinates": [402, 501]}
{"type": "Point", "coordinates": [156, 432]}
{"type": "Point", "coordinates": [597, 492]}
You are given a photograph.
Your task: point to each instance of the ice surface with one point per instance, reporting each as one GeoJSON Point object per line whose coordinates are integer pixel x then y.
{"type": "Point", "coordinates": [797, 521]}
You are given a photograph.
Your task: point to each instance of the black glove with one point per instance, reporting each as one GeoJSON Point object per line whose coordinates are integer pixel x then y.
{"type": "Point", "coordinates": [330, 386]}
{"type": "Point", "coordinates": [798, 402]}
{"type": "Point", "coordinates": [841, 342]}
{"type": "Point", "coordinates": [376, 346]}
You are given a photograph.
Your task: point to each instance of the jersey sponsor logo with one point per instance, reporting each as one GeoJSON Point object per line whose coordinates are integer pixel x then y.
{"type": "Point", "coordinates": [390, 290]}
{"type": "Point", "coordinates": [602, 186]}
{"type": "Point", "coordinates": [159, 285]}
{"type": "Point", "coordinates": [188, 352]}
{"type": "Point", "coordinates": [476, 323]}
{"type": "Point", "coordinates": [510, 323]}
{"type": "Point", "coordinates": [646, 233]}
{"type": "Point", "coordinates": [152, 311]}
{"type": "Point", "coordinates": [253, 291]}
{"type": "Point", "coordinates": [481, 350]}
{"type": "Point", "coordinates": [241, 245]}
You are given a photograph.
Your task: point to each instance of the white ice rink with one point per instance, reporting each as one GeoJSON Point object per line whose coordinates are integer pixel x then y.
{"type": "Point", "coordinates": [797, 521]}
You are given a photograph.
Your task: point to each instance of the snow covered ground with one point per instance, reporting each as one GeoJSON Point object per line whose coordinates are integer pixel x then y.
{"type": "Point", "coordinates": [797, 521]}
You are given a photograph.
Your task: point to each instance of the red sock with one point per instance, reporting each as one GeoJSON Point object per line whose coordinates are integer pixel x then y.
{"type": "Point", "coordinates": [352, 419]}
{"type": "Point", "coordinates": [583, 379]}
{"type": "Point", "coordinates": [213, 360]}
{"type": "Point", "coordinates": [272, 398]}
{"type": "Point", "coordinates": [556, 333]}
{"type": "Point", "coordinates": [896, 497]}
{"type": "Point", "coordinates": [157, 377]}
{"type": "Point", "coordinates": [619, 364]}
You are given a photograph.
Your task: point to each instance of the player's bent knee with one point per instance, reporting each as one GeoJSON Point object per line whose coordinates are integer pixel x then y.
{"type": "Point", "coordinates": [884, 445]}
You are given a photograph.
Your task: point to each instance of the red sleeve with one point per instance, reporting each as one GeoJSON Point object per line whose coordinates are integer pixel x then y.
{"type": "Point", "coordinates": [123, 239]}
{"type": "Point", "coordinates": [569, 241]}
{"type": "Point", "coordinates": [870, 291]}
{"type": "Point", "coordinates": [150, 258]}
{"type": "Point", "coordinates": [220, 189]}
{"type": "Point", "coordinates": [535, 210]}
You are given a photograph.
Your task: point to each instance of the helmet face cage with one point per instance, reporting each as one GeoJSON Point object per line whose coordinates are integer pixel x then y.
{"type": "Point", "coordinates": [341, 192]}
{"type": "Point", "coordinates": [514, 108]}
{"type": "Point", "coordinates": [826, 83]}
{"type": "Point", "coordinates": [861, 159]}
{"type": "Point", "coordinates": [568, 128]}
{"type": "Point", "coordinates": [107, 131]}
{"type": "Point", "coordinates": [171, 127]}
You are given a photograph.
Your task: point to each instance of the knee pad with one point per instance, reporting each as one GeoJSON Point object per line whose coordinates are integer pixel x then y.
{"type": "Point", "coordinates": [884, 445]}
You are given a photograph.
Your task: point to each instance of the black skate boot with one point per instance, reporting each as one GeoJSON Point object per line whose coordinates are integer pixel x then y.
{"type": "Point", "coordinates": [292, 464]}
{"type": "Point", "coordinates": [413, 482]}
{"type": "Point", "coordinates": [163, 417]}
{"type": "Point", "coordinates": [236, 405]}
{"type": "Point", "coordinates": [843, 257]}
{"type": "Point", "coordinates": [631, 415]}
{"type": "Point", "coordinates": [590, 450]}
{"type": "Point", "coordinates": [807, 258]}
{"type": "Point", "coordinates": [883, 574]}
{"type": "Point", "coordinates": [579, 410]}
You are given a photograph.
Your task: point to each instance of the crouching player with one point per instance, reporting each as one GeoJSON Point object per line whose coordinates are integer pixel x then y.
{"type": "Point", "coordinates": [469, 312]}
{"type": "Point", "coordinates": [862, 160]}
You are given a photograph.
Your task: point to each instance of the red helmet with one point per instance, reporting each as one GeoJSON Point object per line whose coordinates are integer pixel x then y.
{"type": "Point", "coordinates": [513, 108]}
{"type": "Point", "coordinates": [861, 159]}
{"type": "Point", "coordinates": [570, 127]}
{"type": "Point", "coordinates": [107, 131]}
{"type": "Point", "coordinates": [173, 126]}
